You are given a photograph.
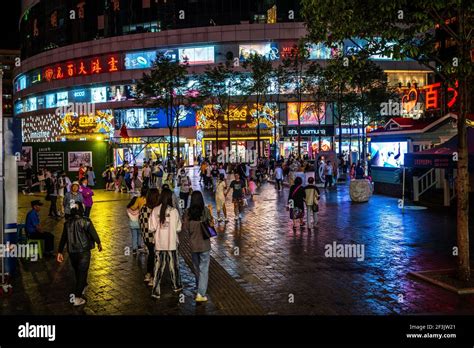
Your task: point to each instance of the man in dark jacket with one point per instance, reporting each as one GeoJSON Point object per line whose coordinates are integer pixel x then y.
{"type": "Point", "coordinates": [79, 235]}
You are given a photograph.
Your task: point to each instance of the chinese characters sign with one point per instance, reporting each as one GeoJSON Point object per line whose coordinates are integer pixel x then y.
{"type": "Point", "coordinates": [83, 67]}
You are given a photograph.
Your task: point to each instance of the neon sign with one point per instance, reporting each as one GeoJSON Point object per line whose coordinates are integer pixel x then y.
{"type": "Point", "coordinates": [83, 67]}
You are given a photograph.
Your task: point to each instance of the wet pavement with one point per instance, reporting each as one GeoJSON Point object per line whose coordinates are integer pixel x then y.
{"type": "Point", "coordinates": [263, 265]}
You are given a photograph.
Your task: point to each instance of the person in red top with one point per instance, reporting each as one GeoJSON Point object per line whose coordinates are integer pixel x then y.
{"type": "Point", "coordinates": [82, 171]}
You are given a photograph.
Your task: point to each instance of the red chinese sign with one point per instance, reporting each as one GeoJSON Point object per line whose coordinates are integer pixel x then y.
{"type": "Point", "coordinates": [432, 96]}
{"type": "Point", "coordinates": [83, 67]}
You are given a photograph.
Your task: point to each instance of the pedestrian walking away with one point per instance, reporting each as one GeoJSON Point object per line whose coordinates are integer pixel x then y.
{"type": "Point", "coordinates": [312, 196]}
{"type": "Point", "coordinates": [296, 198]}
{"type": "Point", "coordinates": [165, 222]}
{"type": "Point", "coordinates": [80, 237]}
{"type": "Point", "coordinates": [151, 201]}
{"type": "Point", "coordinates": [194, 218]}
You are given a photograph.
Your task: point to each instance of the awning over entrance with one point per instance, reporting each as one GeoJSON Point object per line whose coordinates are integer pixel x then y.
{"type": "Point", "coordinates": [443, 155]}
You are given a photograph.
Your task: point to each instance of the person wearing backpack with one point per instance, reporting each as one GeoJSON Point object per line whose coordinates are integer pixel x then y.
{"type": "Point", "coordinates": [312, 196]}
{"type": "Point", "coordinates": [296, 198]}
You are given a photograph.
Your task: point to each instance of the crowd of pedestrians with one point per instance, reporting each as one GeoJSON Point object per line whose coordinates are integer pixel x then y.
{"type": "Point", "coordinates": [164, 205]}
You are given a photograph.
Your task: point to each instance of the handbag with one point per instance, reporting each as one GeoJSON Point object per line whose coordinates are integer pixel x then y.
{"type": "Point", "coordinates": [207, 230]}
{"type": "Point", "coordinates": [47, 198]}
{"type": "Point", "coordinates": [245, 202]}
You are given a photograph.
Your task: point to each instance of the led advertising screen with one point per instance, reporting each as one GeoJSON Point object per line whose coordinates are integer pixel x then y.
{"type": "Point", "coordinates": [116, 93]}
{"type": "Point", "coordinates": [98, 95]}
{"type": "Point", "coordinates": [41, 101]}
{"type": "Point", "coordinates": [80, 95]}
{"type": "Point", "coordinates": [51, 100]}
{"type": "Point", "coordinates": [388, 154]}
{"type": "Point", "coordinates": [139, 60]}
{"type": "Point", "coordinates": [320, 51]}
{"type": "Point", "coordinates": [18, 107]}
{"type": "Point", "coordinates": [354, 47]}
{"type": "Point", "coordinates": [31, 104]}
{"type": "Point", "coordinates": [268, 50]}
{"type": "Point", "coordinates": [197, 55]}
{"type": "Point", "coordinates": [145, 59]}
{"type": "Point", "coordinates": [307, 112]}
{"type": "Point", "coordinates": [61, 99]}
{"type": "Point", "coordinates": [133, 118]}
{"type": "Point", "coordinates": [157, 117]}
{"type": "Point", "coordinates": [20, 83]}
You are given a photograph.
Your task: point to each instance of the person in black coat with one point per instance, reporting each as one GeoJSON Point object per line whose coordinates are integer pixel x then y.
{"type": "Point", "coordinates": [296, 198]}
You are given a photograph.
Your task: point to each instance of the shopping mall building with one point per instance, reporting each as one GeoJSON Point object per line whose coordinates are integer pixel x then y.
{"type": "Point", "coordinates": [91, 53]}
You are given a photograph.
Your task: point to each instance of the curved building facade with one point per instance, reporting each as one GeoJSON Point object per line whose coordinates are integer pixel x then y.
{"type": "Point", "coordinates": [89, 54]}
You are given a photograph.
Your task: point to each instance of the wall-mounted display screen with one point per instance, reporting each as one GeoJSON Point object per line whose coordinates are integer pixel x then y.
{"type": "Point", "coordinates": [98, 95]}
{"type": "Point", "coordinates": [197, 55]}
{"type": "Point", "coordinates": [320, 51]}
{"type": "Point", "coordinates": [31, 104]}
{"type": "Point", "coordinates": [157, 117]}
{"type": "Point", "coordinates": [307, 113]}
{"type": "Point", "coordinates": [139, 60]}
{"type": "Point", "coordinates": [61, 99]}
{"type": "Point", "coordinates": [132, 118]}
{"type": "Point", "coordinates": [80, 95]}
{"type": "Point", "coordinates": [51, 100]}
{"type": "Point", "coordinates": [388, 154]}
{"type": "Point", "coordinates": [268, 50]}
{"type": "Point", "coordinates": [116, 93]}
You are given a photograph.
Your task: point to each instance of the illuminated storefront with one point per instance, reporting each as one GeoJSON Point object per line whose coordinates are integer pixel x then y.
{"type": "Point", "coordinates": [243, 123]}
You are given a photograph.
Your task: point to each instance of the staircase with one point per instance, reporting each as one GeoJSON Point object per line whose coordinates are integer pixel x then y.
{"type": "Point", "coordinates": [422, 184]}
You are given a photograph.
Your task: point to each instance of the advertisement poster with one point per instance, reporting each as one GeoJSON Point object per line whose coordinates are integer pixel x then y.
{"type": "Point", "coordinates": [98, 95]}
{"type": "Point", "coordinates": [100, 123]}
{"type": "Point", "coordinates": [197, 55]}
{"type": "Point", "coordinates": [53, 161]}
{"type": "Point", "coordinates": [308, 114]}
{"type": "Point", "coordinates": [132, 118]}
{"type": "Point", "coordinates": [268, 50]}
{"type": "Point", "coordinates": [26, 155]}
{"type": "Point", "coordinates": [157, 117]}
{"type": "Point", "coordinates": [388, 154]}
{"type": "Point", "coordinates": [76, 158]}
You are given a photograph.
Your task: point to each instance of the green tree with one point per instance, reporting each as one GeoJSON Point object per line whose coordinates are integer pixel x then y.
{"type": "Point", "coordinates": [296, 64]}
{"type": "Point", "coordinates": [261, 72]}
{"type": "Point", "coordinates": [370, 89]}
{"type": "Point", "coordinates": [410, 29]}
{"type": "Point", "coordinates": [317, 88]}
{"type": "Point", "coordinates": [165, 87]}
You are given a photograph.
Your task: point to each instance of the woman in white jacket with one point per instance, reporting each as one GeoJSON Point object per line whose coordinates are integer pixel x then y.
{"type": "Point", "coordinates": [166, 223]}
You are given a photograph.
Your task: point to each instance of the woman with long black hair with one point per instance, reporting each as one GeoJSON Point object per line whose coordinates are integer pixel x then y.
{"type": "Point", "coordinates": [200, 247]}
{"type": "Point", "coordinates": [166, 224]}
{"type": "Point", "coordinates": [152, 201]}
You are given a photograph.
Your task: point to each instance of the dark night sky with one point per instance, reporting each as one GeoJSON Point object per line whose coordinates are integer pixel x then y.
{"type": "Point", "coordinates": [9, 17]}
